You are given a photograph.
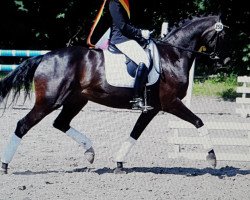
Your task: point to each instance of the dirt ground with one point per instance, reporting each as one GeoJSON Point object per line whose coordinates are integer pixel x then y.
{"type": "Point", "coordinates": [49, 165]}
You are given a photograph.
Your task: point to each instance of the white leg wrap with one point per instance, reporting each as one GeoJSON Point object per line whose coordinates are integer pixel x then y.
{"type": "Point", "coordinates": [79, 138]}
{"type": "Point", "coordinates": [10, 149]}
{"type": "Point", "coordinates": [203, 132]}
{"type": "Point", "coordinates": [125, 149]}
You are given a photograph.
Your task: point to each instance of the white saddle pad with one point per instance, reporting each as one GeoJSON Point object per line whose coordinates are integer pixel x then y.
{"type": "Point", "coordinates": [116, 69]}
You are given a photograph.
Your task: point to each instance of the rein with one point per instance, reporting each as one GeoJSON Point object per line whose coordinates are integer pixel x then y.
{"type": "Point", "coordinates": [212, 55]}
{"type": "Point", "coordinates": [218, 27]}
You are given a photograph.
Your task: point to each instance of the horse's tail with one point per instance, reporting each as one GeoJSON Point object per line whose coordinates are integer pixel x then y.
{"type": "Point", "coordinates": [21, 77]}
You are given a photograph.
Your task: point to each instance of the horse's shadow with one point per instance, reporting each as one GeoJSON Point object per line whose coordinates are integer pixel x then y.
{"type": "Point", "coordinates": [221, 173]}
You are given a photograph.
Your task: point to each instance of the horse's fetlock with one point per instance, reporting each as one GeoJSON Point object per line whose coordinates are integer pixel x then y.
{"type": "Point", "coordinates": [199, 123]}
{"type": "Point", "coordinates": [20, 129]}
{"type": "Point", "coordinates": [56, 124]}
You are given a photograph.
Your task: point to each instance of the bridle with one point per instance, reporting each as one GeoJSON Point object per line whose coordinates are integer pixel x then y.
{"type": "Point", "coordinates": [218, 27]}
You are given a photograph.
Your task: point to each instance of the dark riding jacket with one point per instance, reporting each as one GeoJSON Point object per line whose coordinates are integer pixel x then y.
{"type": "Point", "coordinates": [121, 29]}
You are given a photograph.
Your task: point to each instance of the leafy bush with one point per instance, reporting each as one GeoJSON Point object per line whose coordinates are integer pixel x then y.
{"type": "Point", "coordinates": [220, 85]}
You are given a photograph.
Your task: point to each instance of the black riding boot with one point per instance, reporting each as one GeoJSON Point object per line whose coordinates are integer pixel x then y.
{"type": "Point", "coordinates": [140, 82]}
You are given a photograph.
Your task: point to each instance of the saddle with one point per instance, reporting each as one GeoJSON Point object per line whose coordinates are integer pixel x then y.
{"type": "Point", "coordinates": [120, 70]}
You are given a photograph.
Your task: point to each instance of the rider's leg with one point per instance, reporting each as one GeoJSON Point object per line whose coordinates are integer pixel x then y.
{"type": "Point", "coordinates": [140, 82]}
{"type": "Point", "coordinates": [136, 53]}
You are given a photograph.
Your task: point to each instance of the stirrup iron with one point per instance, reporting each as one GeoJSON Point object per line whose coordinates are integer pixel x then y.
{"type": "Point", "coordinates": [141, 104]}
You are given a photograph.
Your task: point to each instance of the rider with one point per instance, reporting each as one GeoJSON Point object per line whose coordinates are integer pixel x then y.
{"type": "Point", "coordinates": [126, 38]}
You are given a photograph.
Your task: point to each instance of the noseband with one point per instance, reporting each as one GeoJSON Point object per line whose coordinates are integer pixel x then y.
{"type": "Point", "coordinates": [218, 27]}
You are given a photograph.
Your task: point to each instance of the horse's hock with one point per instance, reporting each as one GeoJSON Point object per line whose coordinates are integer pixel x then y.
{"type": "Point", "coordinates": [244, 101]}
{"type": "Point", "coordinates": [231, 141]}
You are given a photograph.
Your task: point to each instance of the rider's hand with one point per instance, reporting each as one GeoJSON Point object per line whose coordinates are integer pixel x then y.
{"type": "Point", "coordinates": [145, 34]}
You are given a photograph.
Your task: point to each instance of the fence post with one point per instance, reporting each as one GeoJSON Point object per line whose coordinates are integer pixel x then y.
{"type": "Point", "coordinates": [188, 97]}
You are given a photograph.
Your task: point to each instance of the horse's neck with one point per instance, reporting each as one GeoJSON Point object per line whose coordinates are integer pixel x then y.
{"type": "Point", "coordinates": [189, 41]}
{"type": "Point", "coordinates": [184, 45]}
{"type": "Point", "coordinates": [189, 36]}
{"type": "Point", "coordinates": [186, 41]}
{"type": "Point", "coordinates": [178, 63]}
{"type": "Point", "coordinates": [181, 60]}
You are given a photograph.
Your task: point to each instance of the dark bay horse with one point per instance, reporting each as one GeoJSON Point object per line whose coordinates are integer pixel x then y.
{"type": "Point", "coordinates": [72, 76]}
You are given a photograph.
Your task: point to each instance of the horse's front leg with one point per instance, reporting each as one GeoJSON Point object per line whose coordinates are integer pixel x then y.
{"type": "Point", "coordinates": [178, 109]}
{"type": "Point", "coordinates": [125, 148]}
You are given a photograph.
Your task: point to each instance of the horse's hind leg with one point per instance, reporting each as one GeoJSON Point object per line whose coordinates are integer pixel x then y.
{"type": "Point", "coordinates": [178, 109]}
{"type": "Point", "coordinates": [62, 122]}
{"type": "Point", "coordinates": [37, 113]}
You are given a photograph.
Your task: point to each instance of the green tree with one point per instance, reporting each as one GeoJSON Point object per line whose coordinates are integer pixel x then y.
{"type": "Point", "coordinates": [52, 24]}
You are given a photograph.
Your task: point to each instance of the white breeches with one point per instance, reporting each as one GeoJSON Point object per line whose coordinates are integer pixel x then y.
{"type": "Point", "coordinates": [134, 51]}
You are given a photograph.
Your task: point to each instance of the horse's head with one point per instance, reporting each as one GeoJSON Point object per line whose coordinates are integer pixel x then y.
{"type": "Point", "coordinates": [212, 36]}
{"type": "Point", "coordinates": [199, 31]}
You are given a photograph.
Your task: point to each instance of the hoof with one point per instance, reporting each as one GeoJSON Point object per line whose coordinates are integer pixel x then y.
{"type": "Point", "coordinates": [119, 171]}
{"type": "Point", "coordinates": [211, 158]}
{"type": "Point", "coordinates": [4, 169]}
{"type": "Point", "coordinates": [90, 155]}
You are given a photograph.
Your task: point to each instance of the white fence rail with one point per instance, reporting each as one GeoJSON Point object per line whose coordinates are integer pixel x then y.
{"type": "Point", "coordinates": [18, 53]}
{"type": "Point", "coordinates": [242, 140]}
{"type": "Point", "coordinates": [244, 101]}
